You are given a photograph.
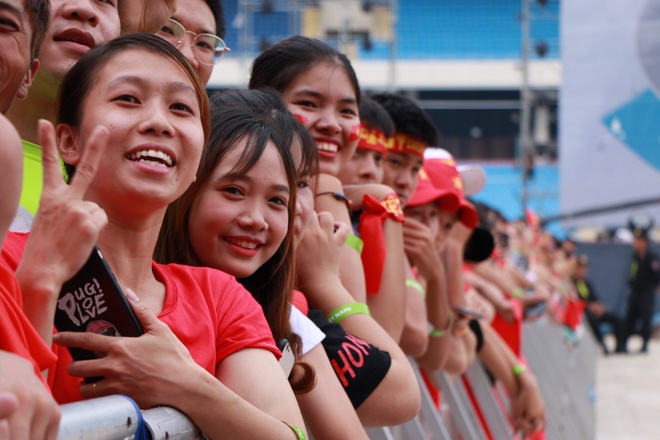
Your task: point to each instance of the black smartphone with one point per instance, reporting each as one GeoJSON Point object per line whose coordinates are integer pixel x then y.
{"type": "Point", "coordinates": [93, 301]}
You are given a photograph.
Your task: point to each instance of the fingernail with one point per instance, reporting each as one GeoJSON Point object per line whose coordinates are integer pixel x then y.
{"type": "Point", "coordinates": [131, 295]}
{"type": "Point", "coordinates": [56, 337]}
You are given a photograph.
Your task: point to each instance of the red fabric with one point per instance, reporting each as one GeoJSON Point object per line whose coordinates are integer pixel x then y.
{"type": "Point", "coordinates": [511, 332]}
{"type": "Point", "coordinates": [476, 407]}
{"type": "Point", "coordinates": [433, 391]}
{"type": "Point", "coordinates": [300, 302]}
{"type": "Point", "coordinates": [18, 334]}
{"type": "Point", "coordinates": [532, 218]}
{"type": "Point", "coordinates": [407, 144]}
{"type": "Point", "coordinates": [209, 311]}
{"type": "Point", "coordinates": [573, 312]}
{"type": "Point", "coordinates": [373, 139]}
{"type": "Point", "coordinates": [444, 175]}
{"type": "Point", "coordinates": [427, 192]}
{"type": "Point", "coordinates": [371, 233]}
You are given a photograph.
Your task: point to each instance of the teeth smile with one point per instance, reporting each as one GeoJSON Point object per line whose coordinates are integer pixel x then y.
{"type": "Point", "coordinates": [324, 146]}
{"type": "Point", "coordinates": [153, 157]}
{"type": "Point", "coordinates": [243, 243]}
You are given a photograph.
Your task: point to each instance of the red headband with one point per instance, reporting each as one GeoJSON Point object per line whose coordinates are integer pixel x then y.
{"type": "Point", "coordinates": [406, 144]}
{"type": "Point", "coordinates": [373, 139]}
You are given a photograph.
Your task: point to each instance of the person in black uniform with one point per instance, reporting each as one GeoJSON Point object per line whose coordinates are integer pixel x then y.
{"type": "Point", "coordinates": [643, 279]}
{"type": "Point", "coordinates": [595, 311]}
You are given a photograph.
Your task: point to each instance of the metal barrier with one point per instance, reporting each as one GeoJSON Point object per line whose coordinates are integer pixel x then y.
{"type": "Point", "coordinates": [565, 373]}
{"type": "Point", "coordinates": [105, 418]}
{"type": "Point", "coordinates": [566, 376]}
{"type": "Point", "coordinates": [484, 395]}
{"type": "Point", "coordinates": [118, 418]}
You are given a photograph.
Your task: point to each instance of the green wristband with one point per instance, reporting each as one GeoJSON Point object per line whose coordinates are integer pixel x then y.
{"type": "Point", "coordinates": [295, 428]}
{"type": "Point", "coordinates": [416, 285]}
{"type": "Point", "coordinates": [346, 310]}
{"type": "Point", "coordinates": [519, 369]}
{"type": "Point", "coordinates": [355, 242]}
{"type": "Point", "coordinates": [435, 333]}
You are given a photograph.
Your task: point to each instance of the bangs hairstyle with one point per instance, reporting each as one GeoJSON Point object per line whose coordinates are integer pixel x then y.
{"type": "Point", "coordinates": [38, 14]}
{"type": "Point", "coordinates": [230, 125]}
{"type": "Point", "coordinates": [374, 116]}
{"type": "Point", "coordinates": [81, 78]}
{"type": "Point", "coordinates": [258, 117]}
{"type": "Point", "coordinates": [408, 117]}
{"type": "Point", "coordinates": [269, 103]}
{"type": "Point", "coordinates": [280, 64]}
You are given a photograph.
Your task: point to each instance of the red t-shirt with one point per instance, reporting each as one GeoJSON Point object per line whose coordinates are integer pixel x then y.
{"type": "Point", "coordinates": [17, 335]}
{"type": "Point", "coordinates": [208, 310]}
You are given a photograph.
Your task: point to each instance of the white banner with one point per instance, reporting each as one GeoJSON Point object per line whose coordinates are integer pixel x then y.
{"type": "Point", "coordinates": [609, 109]}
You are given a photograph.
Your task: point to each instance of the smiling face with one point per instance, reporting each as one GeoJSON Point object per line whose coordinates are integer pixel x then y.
{"type": "Point", "coordinates": [75, 27]}
{"type": "Point", "coordinates": [152, 112]}
{"type": "Point", "coordinates": [237, 223]}
{"type": "Point", "coordinates": [323, 99]}
{"type": "Point", "coordinates": [15, 60]}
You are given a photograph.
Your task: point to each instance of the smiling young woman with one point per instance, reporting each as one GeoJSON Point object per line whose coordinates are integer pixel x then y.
{"type": "Point", "coordinates": [207, 349]}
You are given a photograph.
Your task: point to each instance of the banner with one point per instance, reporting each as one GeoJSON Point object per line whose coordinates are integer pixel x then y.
{"type": "Point", "coordinates": [609, 110]}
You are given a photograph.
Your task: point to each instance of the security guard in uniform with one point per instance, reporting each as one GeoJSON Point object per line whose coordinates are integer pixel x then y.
{"type": "Point", "coordinates": [595, 311]}
{"type": "Point", "coordinates": [643, 279]}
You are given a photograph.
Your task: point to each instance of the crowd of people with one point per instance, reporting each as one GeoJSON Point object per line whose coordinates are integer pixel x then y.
{"type": "Point", "coordinates": [297, 213]}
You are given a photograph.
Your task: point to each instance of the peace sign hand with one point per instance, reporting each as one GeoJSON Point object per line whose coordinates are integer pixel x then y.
{"type": "Point", "coordinates": [65, 228]}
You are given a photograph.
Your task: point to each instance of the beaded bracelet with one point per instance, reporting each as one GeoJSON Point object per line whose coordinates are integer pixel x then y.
{"type": "Point", "coordinates": [355, 242]}
{"type": "Point", "coordinates": [338, 196]}
{"type": "Point", "coordinates": [296, 429]}
{"type": "Point", "coordinates": [417, 286]}
{"type": "Point", "coordinates": [347, 310]}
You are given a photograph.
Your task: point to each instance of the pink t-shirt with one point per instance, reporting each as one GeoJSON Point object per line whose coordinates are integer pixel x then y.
{"type": "Point", "coordinates": [208, 310]}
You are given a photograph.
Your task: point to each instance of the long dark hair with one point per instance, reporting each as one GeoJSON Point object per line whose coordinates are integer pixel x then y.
{"type": "Point", "coordinates": [272, 284]}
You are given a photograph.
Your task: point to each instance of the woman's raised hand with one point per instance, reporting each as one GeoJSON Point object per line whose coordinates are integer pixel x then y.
{"type": "Point", "coordinates": [64, 230]}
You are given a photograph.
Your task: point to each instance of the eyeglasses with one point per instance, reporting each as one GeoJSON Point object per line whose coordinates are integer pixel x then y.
{"type": "Point", "coordinates": [207, 48]}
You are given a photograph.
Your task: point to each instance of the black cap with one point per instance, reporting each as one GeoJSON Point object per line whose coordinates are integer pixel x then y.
{"type": "Point", "coordinates": [479, 246]}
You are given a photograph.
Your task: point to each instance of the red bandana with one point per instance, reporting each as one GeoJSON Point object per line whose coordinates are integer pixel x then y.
{"type": "Point", "coordinates": [371, 233]}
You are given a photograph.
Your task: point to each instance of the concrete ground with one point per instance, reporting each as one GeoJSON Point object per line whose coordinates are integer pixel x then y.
{"type": "Point", "coordinates": [628, 394]}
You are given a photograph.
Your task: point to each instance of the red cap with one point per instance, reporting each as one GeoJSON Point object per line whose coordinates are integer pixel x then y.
{"type": "Point", "coordinates": [426, 192]}
{"type": "Point", "coordinates": [444, 174]}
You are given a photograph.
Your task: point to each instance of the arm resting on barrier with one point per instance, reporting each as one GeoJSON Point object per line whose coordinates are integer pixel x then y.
{"type": "Point", "coordinates": [327, 409]}
{"type": "Point", "coordinates": [527, 410]}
